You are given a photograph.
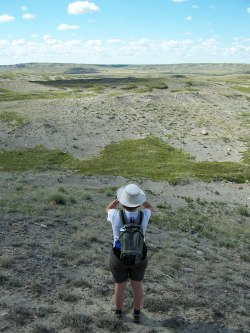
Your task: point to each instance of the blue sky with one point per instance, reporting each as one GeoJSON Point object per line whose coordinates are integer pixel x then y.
{"type": "Point", "coordinates": [125, 31]}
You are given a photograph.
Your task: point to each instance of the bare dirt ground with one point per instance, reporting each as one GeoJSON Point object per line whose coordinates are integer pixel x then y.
{"type": "Point", "coordinates": [84, 126]}
{"type": "Point", "coordinates": [54, 274]}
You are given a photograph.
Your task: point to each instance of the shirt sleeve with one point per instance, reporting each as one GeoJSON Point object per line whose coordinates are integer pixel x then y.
{"type": "Point", "coordinates": [145, 221]}
{"type": "Point", "coordinates": [113, 218]}
{"type": "Point", "coordinates": [147, 213]}
{"type": "Point", "coordinates": [110, 214]}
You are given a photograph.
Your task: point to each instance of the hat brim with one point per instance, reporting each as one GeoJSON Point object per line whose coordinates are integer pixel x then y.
{"type": "Point", "coordinates": [130, 201]}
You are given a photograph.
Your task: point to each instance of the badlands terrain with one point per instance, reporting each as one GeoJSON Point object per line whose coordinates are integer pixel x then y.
{"type": "Point", "coordinates": [70, 135]}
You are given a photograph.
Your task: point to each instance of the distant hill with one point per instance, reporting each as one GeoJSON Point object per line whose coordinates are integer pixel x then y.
{"type": "Point", "coordinates": [70, 68]}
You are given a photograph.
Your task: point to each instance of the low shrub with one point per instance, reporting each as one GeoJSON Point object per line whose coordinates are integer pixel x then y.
{"type": "Point", "coordinates": [243, 210]}
{"type": "Point", "coordinates": [6, 261]}
{"type": "Point", "coordinates": [76, 320]}
{"type": "Point", "coordinates": [58, 199]}
{"type": "Point", "coordinates": [158, 303]}
{"type": "Point", "coordinates": [110, 324]}
{"type": "Point", "coordinates": [245, 256]}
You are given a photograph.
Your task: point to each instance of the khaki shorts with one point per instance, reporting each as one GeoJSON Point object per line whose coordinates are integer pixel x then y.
{"type": "Point", "coordinates": [122, 272]}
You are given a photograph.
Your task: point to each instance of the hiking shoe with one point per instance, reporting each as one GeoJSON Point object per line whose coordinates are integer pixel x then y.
{"type": "Point", "coordinates": [118, 314]}
{"type": "Point", "coordinates": [137, 316]}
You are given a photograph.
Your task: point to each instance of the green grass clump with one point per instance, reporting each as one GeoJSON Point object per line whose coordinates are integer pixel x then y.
{"type": "Point", "coordinates": [243, 210]}
{"type": "Point", "coordinates": [58, 199]}
{"type": "Point", "coordinates": [228, 243]}
{"type": "Point", "coordinates": [2, 90]}
{"type": "Point", "coordinates": [10, 76]}
{"type": "Point", "coordinates": [151, 158]}
{"type": "Point", "coordinates": [245, 256]}
{"type": "Point", "coordinates": [130, 86]}
{"type": "Point", "coordinates": [6, 261]}
{"type": "Point", "coordinates": [242, 89]}
{"type": "Point", "coordinates": [37, 158]}
{"type": "Point", "coordinates": [156, 85]}
{"type": "Point", "coordinates": [245, 119]}
{"type": "Point", "coordinates": [145, 158]}
{"type": "Point", "coordinates": [9, 96]}
{"type": "Point", "coordinates": [11, 117]}
{"type": "Point", "coordinates": [108, 191]}
{"type": "Point", "coordinates": [246, 155]}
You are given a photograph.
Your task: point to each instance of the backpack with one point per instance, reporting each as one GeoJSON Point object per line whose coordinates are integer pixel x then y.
{"type": "Point", "coordinates": [131, 240]}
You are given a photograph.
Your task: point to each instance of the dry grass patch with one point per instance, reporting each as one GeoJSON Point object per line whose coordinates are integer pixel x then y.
{"type": "Point", "coordinates": [77, 320]}
{"type": "Point", "coordinates": [6, 261]}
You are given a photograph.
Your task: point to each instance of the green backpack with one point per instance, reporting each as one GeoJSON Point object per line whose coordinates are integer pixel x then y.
{"type": "Point", "coordinates": [131, 240]}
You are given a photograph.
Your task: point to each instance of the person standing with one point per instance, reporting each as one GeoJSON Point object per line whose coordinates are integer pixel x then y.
{"type": "Point", "coordinates": [132, 199]}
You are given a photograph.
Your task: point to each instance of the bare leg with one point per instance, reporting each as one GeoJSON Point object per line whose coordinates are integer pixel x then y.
{"type": "Point", "coordinates": [138, 293]}
{"type": "Point", "coordinates": [120, 294]}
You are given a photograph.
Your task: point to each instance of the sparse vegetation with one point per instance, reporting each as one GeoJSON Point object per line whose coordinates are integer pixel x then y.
{"type": "Point", "coordinates": [76, 320]}
{"type": "Point", "coordinates": [55, 240]}
{"type": "Point", "coordinates": [37, 158]}
{"type": "Point", "coordinates": [111, 324]}
{"type": "Point", "coordinates": [6, 261]}
{"type": "Point", "coordinates": [242, 89]}
{"type": "Point", "coordinates": [58, 199]}
{"type": "Point", "coordinates": [85, 238]}
{"type": "Point", "coordinates": [148, 158]}
{"type": "Point", "coordinates": [245, 256]}
{"type": "Point", "coordinates": [151, 158]}
{"type": "Point", "coordinates": [12, 118]}
{"type": "Point", "coordinates": [243, 210]}
{"type": "Point", "coordinates": [102, 82]}
{"type": "Point", "coordinates": [201, 237]}
{"type": "Point", "coordinates": [10, 96]}
{"type": "Point", "coordinates": [245, 119]}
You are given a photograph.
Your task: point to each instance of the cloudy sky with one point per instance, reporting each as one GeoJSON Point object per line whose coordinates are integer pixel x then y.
{"type": "Point", "coordinates": [124, 31]}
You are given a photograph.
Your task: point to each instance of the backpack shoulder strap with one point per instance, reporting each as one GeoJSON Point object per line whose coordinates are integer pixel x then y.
{"type": "Point", "coordinates": [123, 217]}
{"type": "Point", "coordinates": [140, 217]}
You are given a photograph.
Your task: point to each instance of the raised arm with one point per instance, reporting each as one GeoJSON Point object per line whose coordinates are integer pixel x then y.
{"type": "Point", "coordinates": [146, 204]}
{"type": "Point", "coordinates": [111, 205]}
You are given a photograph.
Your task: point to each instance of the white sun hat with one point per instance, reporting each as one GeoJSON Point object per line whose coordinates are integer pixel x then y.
{"type": "Point", "coordinates": [131, 196]}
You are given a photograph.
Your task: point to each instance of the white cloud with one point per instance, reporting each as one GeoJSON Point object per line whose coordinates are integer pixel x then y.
{"type": "Point", "coordinates": [24, 8]}
{"type": "Point", "coordinates": [82, 7]}
{"type": "Point", "coordinates": [209, 42]}
{"type": "Point", "coordinates": [180, 0]}
{"type": "Point", "coordinates": [94, 43]}
{"type": "Point", "coordinates": [48, 39]}
{"type": "Point", "coordinates": [140, 42]}
{"type": "Point", "coordinates": [114, 41]}
{"type": "Point", "coordinates": [19, 42]}
{"type": "Point", "coordinates": [6, 18]}
{"type": "Point", "coordinates": [143, 50]}
{"type": "Point", "coordinates": [28, 16]}
{"type": "Point", "coordinates": [171, 43]}
{"type": "Point", "coordinates": [248, 10]}
{"type": "Point", "coordinates": [63, 27]}
{"type": "Point", "coordinates": [189, 18]}
{"type": "Point", "coordinates": [195, 6]}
